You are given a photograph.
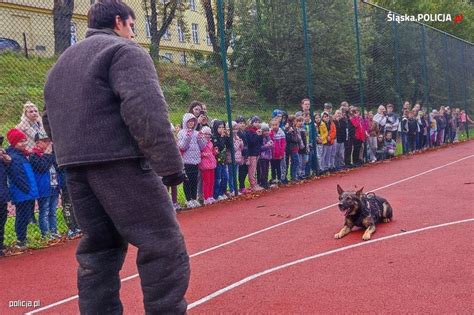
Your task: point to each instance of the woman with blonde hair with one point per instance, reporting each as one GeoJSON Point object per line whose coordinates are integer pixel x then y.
{"type": "Point", "coordinates": [30, 123]}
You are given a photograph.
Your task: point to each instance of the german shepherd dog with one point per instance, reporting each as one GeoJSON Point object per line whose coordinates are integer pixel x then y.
{"type": "Point", "coordinates": [362, 210]}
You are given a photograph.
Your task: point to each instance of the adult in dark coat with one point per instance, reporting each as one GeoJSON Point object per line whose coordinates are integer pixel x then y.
{"type": "Point", "coordinates": [108, 119]}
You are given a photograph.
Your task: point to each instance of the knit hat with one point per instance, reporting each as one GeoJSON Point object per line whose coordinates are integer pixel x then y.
{"type": "Point", "coordinates": [264, 127]}
{"type": "Point", "coordinates": [41, 136]}
{"type": "Point", "coordinates": [255, 119]}
{"type": "Point", "coordinates": [14, 136]}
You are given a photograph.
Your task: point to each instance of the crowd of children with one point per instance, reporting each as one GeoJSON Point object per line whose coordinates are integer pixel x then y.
{"type": "Point", "coordinates": [287, 148]}
{"type": "Point", "coordinates": [283, 150]}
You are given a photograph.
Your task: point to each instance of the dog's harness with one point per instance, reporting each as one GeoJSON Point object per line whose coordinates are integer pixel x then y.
{"type": "Point", "coordinates": [371, 207]}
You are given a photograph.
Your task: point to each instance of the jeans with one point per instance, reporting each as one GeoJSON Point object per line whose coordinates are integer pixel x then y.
{"type": "Point", "coordinates": [232, 176]}
{"type": "Point", "coordinates": [294, 165]}
{"type": "Point", "coordinates": [23, 216]}
{"type": "Point", "coordinates": [122, 202]}
{"type": "Point", "coordinates": [304, 158]}
{"type": "Point", "coordinates": [220, 180]}
{"type": "Point", "coordinates": [339, 158]}
{"type": "Point", "coordinates": [284, 167]}
{"type": "Point", "coordinates": [47, 213]}
{"type": "Point", "coordinates": [404, 138]}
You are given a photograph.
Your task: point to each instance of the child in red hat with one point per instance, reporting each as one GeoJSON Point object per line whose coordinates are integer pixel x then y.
{"type": "Point", "coordinates": [23, 189]}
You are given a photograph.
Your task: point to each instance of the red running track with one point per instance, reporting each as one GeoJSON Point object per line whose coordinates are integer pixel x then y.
{"type": "Point", "coordinates": [416, 271]}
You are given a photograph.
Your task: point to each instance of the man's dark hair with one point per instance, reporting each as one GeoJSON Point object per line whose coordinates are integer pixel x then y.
{"type": "Point", "coordinates": [102, 14]}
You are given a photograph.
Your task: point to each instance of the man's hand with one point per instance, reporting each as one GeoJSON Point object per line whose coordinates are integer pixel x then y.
{"type": "Point", "coordinates": [174, 179]}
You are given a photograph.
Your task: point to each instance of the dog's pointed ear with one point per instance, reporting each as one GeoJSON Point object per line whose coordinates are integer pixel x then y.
{"type": "Point", "coordinates": [339, 189]}
{"type": "Point", "coordinates": [359, 192]}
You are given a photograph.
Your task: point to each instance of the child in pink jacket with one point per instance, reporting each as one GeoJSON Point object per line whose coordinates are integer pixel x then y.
{"type": "Point", "coordinates": [207, 166]}
{"type": "Point", "coordinates": [278, 153]}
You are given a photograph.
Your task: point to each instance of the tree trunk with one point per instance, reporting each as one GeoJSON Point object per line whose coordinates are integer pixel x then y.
{"type": "Point", "coordinates": [213, 30]}
{"type": "Point", "coordinates": [169, 12]}
{"type": "Point", "coordinates": [62, 13]}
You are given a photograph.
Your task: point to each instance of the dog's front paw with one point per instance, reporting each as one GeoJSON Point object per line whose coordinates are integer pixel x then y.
{"type": "Point", "coordinates": [366, 237]}
{"type": "Point", "coordinates": [386, 220]}
{"type": "Point", "coordinates": [338, 235]}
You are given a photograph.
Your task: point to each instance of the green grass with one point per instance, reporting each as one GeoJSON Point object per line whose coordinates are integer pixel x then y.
{"type": "Point", "coordinates": [23, 79]}
{"type": "Point", "coordinates": [33, 234]}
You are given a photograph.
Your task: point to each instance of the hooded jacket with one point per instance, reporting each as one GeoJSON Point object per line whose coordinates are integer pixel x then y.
{"type": "Point", "coordinates": [41, 164]}
{"type": "Point", "coordinates": [103, 102]}
{"type": "Point", "coordinates": [279, 144]}
{"type": "Point", "coordinates": [190, 143]}
{"type": "Point", "coordinates": [22, 183]}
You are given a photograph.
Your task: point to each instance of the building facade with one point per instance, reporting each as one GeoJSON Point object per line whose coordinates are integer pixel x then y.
{"type": "Point", "coordinates": [30, 23]}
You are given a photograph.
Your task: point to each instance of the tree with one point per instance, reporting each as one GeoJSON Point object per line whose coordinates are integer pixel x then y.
{"type": "Point", "coordinates": [212, 26]}
{"type": "Point", "coordinates": [162, 15]}
{"type": "Point", "coordinates": [62, 16]}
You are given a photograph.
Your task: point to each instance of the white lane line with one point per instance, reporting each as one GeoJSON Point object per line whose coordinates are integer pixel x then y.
{"type": "Point", "coordinates": [300, 261]}
{"type": "Point", "coordinates": [263, 230]}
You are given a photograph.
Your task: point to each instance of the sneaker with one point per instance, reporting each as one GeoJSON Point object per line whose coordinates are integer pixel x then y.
{"type": "Point", "coordinates": [21, 245]}
{"type": "Point", "coordinates": [245, 190]}
{"type": "Point", "coordinates": [176, 206]}
{"type": "Point", "coordinates": [2, 253]}
{"type": "Point", "coordinates": [71, 234]}
{"type": "Point", "coordinates": [222, 197]}
{"type": "Point", "coordinates": [190, 204]}
{"type": "Point", "coordinates": [212, 200]}
{"type": "Point", "coordinates": [196, 203]}
{"type": "Point", "coordinates": [257, 188]}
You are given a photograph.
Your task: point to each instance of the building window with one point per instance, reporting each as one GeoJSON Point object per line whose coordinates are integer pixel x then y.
{"type": "Point", "coordinates": [169, 57]}
{"type": "Point", "coordinates": [192, 5]}
{"type": "Point", "coordinates": [194, 30]}
{"type": "Point", "coordinates": [208, 38]}
{"type": "Point", "coordinates": [147, 26]}
{"type": "Point", "coordinates": [167, 34]}
{"type": "Point", "coordinates": [182, 58]}
{"type": "Point", "coordinates": [180, 34]}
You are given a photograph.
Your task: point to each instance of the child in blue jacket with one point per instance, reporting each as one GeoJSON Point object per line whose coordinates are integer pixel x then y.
{"type": "Point", "coordinates": [45, 169]}
{"type": "Point", "coordinates": [22, 183]}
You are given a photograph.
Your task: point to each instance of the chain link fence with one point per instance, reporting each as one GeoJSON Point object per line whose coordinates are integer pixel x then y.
{"type": "Point", "coordinates": [303, 92]}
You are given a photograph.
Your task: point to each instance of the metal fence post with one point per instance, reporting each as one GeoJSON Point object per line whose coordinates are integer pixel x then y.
{"type": "Point", "coordinates": [220, 13]}
{"type": "Point", "coordinates": [446, 65]}
{"type": "Point", "coordinates": [465, 86]}
{"type": "Point", "coordinates": [397, 64]}
{"type": "Point", "coordinates": [424, 68]}
{"type": "Point", "coordinates": [359, 65]}
{"type": "Point", "coordinates": [309, 84]}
